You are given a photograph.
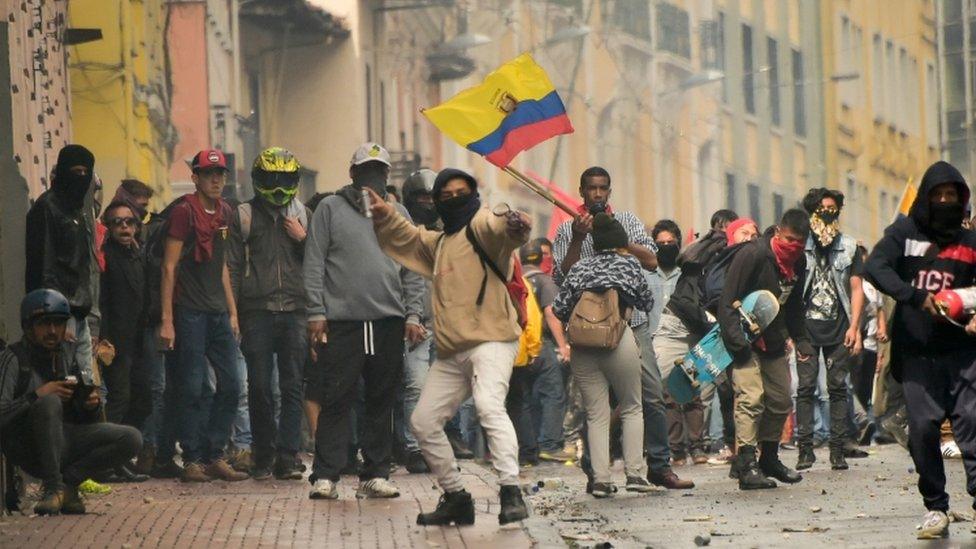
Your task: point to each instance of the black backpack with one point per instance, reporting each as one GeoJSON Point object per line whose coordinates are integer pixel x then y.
{"type": "Point", "coordinates": [713, 276]}
{"type": "Point", "coordinates": [154, 246]}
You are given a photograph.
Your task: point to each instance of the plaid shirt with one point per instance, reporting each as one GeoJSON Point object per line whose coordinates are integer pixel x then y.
{"type": "Point", "coordinates": [564, 234]}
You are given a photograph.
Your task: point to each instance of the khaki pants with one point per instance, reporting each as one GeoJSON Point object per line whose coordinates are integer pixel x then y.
{"type": "Point", "coordinates": [482, 372]}
{"type": "Point", "coordinates": [595, 372]}
{"type": "Point", "coordinates": [762, 399]}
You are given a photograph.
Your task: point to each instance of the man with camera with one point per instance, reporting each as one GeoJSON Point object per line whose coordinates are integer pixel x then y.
{"type": "Point", "coordinates": [49, 409]}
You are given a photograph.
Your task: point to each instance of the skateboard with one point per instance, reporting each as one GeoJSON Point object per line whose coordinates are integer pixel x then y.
{"type": "Point", "coordinates": [709, 357]}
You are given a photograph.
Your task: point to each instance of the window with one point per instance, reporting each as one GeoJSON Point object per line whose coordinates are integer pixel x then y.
{"type": "Point", "coordinates": [931, 106]}
{"type": "Point", "coordinates": [633, 17]}
{"type": "Point", "coordinates": [711, 52]}
{"type": "Point", "coordinates": [901, 92]}
{"type": "Point", "coordinates": [754, 209]}
{"type": "Point", "coordinates": [748, 68]}
{"type": "Point", "coordinates": [777, 207]}
{"type": "Point", "coordinates": [891, 84]}
{"type": "Point", "coordinates": [799, 110]}
{"type": "Point", "coordinates": [772, 52]}
{"type": "Point", "coordinates": [721, 55]}
{"type": "Point", "coordinates": [884, 213]}
{"type": "Point", "coordinates": [730, 191]}
{"type": "Point", "coordinates": [877, 77]}
{"type": "Point", "coordinates": [369, 106]}
{"type": "Point", "coordinates": [673, 32]}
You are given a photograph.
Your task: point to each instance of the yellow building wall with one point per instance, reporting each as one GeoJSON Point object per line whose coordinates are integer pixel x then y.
{"type": "Point", "coordinates": [118, 91]}
{"type": "Point", "coordinates": [877, 152]}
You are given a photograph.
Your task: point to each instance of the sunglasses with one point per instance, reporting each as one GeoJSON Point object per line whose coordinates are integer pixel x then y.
{"type": "Point", "coordinates": [123, 222]}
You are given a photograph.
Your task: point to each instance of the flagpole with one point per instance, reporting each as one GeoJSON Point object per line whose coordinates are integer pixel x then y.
{"type": "Point", "coordinates": [540, 190]}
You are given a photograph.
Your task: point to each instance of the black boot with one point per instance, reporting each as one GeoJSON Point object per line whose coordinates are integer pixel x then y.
{"type": "Point", "coordinates": [771, 466]}
{"type": "Point", "coordinates": [416, 463]}
{"type": "Point", "coordinates": [460, 449]}
{"type": "Point", "coordinates": [513, 508]}
{"type": "Point", "coordinates": [837, 461]}
{"type": "Point", "coordinates": [453, 508]}
{"type": "Point", "coordinates": [750, 477]}
{"type": "Point", "coordinates": [807, 457]}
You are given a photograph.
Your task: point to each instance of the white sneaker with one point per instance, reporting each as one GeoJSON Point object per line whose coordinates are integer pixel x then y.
{"type": "Point", "coordinates": [324, 489]}
{"type": "Point", "coordinates": [935, 525]}
{"type": "Point", "coordinates": [377, 488]}
{"type": "Point", "coordinates": [950, 450]}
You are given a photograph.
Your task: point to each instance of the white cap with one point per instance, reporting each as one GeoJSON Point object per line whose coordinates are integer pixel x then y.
{"type": "Point", "coordinates": [368, 152]}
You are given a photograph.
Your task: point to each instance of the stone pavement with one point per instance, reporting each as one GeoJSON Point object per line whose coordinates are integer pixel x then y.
{"type": "Point", "coordinates": [875, 504]}
{"type": "Point", "coordinates": [267, 514]}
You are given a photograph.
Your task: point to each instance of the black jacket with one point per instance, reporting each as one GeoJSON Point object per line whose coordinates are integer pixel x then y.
{"type": "Point", "coordinates": [266, 271]}
{"type": "Point", "coordinates": [907, 265]}
{"type": "Point", "coordinates": [686, 300]}
{"type": "Point", "coordinates": [123, 297]}
{"type": "Point", "coordinates": [754, 268]}
{"type": "Point", "coordinates": [18, 382]}
{"type": "Point", "coordinates": [61, 253]}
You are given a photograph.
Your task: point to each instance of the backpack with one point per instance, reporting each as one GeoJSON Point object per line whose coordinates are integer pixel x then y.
{"type": "Point", "coordinates": [154, 246]}
{"type": "Point", "coordinates": [597, 321]}
{"type": "Point", "coordinates": [517, 287]}
{"type": "Point", "coordinates": [244, 215]}
{"type": "Point", "coordinates": [530, 342]}
{"type": "Point", "coordinates": [713, 276]}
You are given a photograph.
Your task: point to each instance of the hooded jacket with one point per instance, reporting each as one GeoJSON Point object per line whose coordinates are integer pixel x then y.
{"type": "Point", "coordinates": [908, 265]}
{"type": "Point", "coordinates": [686, 301]}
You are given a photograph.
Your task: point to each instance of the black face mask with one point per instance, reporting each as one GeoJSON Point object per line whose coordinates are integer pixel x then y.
{"type": "Point", "coordinates": [423, 214]}
{"type": "Point", "coordinates": [598, 207]}
{"type": "Point", "coordinates": [373, 178]}
{"type": "Point", "coordinates": [945, 221]}
{"type": "Point", "coordinates": [667, 255]}
{"type": "Point", "coordinates": [458, 211]}
{"type": "Point", "coordinates": [71, 189]}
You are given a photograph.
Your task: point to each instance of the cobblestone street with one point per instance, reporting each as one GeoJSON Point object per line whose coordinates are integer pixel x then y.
{"type": "Point", "coordinates": [872, 505]}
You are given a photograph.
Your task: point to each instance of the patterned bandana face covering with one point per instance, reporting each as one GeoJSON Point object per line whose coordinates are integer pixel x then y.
{"type": "Point", "coordinates": [825, 225]}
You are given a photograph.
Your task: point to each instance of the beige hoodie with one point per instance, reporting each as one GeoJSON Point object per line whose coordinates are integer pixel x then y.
{"type": "Point", "coordinates": [459, 322]}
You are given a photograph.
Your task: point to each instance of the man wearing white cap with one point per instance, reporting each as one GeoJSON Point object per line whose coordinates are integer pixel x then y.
{"type": "Point", "coordinates": [359, 301]}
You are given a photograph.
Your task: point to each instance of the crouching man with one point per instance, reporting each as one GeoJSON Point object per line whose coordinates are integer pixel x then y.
{"type": "Point", "coordinates": [49, 412]}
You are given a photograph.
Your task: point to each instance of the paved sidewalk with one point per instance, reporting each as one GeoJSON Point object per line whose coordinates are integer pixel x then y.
{"type": "Point", "coordinates": [272, 513]}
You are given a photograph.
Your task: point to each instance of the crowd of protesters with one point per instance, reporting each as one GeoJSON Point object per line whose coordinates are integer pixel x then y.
{"type": "Point", "coordinates": [412, 324]}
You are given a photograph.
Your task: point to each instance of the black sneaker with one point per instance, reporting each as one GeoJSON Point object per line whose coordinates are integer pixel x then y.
{"type": "Point", "coordinates": [453, 508]}
{"type": "Point", "coordinates": [288, 470]}
{"type": "Point", "coordinates": [260, 472]}
{"type": "Point", "coordinates": [640, 485]}
{"type": "Point", "coordinates": [750, 477]}
{"type": "Point", "coordinates": [602, 490]}
{"type": "Point", "coordinates": [807, 458]}
{"type": "Point", "coordinates": [513, 508]}
{"type": "Point", "coordinates": [837, 461]}
{"type": "Point", "coordinates": [166, 469]}
{"type": "Point", "coordinates": [416, 463]}
{"type": "Point", "coordinates": [853, 452]}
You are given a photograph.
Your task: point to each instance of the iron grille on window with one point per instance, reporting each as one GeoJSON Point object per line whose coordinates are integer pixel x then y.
{"type": "Point", "coordinates": [673, 32]}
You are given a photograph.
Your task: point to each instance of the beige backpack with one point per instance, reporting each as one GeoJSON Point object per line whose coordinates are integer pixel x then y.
{"type": "Point", "coordinates": [597, 322]}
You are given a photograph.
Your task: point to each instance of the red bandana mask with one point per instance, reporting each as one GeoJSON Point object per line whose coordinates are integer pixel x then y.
{"type": "Point", "coordinates": [786, 255]}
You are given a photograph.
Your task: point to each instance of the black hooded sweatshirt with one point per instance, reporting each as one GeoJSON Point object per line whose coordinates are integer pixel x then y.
{"type": "Point", "coordinates": [907, 265]}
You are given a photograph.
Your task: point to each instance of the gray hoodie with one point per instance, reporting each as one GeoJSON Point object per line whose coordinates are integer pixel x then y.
{"type": "Point", "coordinates": [347, 275]}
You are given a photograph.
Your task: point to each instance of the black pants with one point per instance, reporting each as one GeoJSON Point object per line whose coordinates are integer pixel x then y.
{"type": "Point", "coordinates": [726, 405]}
{"type": "Point", "coordinates": [519, 406]}
{"type": "Point", "coordinates": [60, 453]}
{"type": "Point", "coordinates": [939, 387]}
{"type": "Point", "coordinates": [837, 359]}
{"type": "Point", "coordinates": [128, 382]}
{"type": "Point", "coordinates": [264, 336]}
{"type": "Point", "coordinates": [372, 351]}
{"type": "Point", "coordinates": [862, 376]}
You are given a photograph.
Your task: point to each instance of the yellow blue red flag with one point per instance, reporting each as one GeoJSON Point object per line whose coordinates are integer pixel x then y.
{"type": "Point", "coordinates": [514, 109]}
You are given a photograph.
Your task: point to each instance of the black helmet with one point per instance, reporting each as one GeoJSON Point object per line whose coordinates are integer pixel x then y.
{"type": "Point", "coordinates": [419, 182]}
{"type": "Point", "coordinates": [43, 303]}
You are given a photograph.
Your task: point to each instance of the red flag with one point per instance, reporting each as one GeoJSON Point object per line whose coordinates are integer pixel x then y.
{"type": "Point", "coordinates": [558, 216]}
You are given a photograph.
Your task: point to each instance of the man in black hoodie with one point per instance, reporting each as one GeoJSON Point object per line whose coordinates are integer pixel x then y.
{"type": "Point", "coordinates": [918, 256]}
{"type": "Point", "coordinates": [61, 245]}
{"type": "Point", "coordinates": [761, 372]}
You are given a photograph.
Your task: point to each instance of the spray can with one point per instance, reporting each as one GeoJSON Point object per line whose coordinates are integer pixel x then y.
{"type": "Point", "coordinates": [366, 202]}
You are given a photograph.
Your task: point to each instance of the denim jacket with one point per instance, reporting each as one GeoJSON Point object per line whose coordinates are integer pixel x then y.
{"type": "Point", "coordinates": [842, 259]}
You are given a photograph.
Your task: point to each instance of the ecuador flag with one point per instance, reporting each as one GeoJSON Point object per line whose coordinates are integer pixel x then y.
{"type": "Point", "coordinates": [514, 109]}
{"type": "Point", "coordinates": [907, 199]}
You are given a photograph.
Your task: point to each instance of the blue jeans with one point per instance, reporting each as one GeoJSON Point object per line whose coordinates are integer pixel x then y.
{"type": "Point", "coordinates": [416, 362]}
{"type": "Point", "coordinates": [273, 341]}
{"type": "Point", "coordinates": [549, 398]}
{"type": "Point", "coordinates": [82, 347]}
{"type": "Point", "coordinates": [200, 336]}
{"type": "Point", "coordinates": [240, 433]}
{"type": "Point", "coordinates": [655, 420]}
{"type": "Point", "coordinates": [152, 356]}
